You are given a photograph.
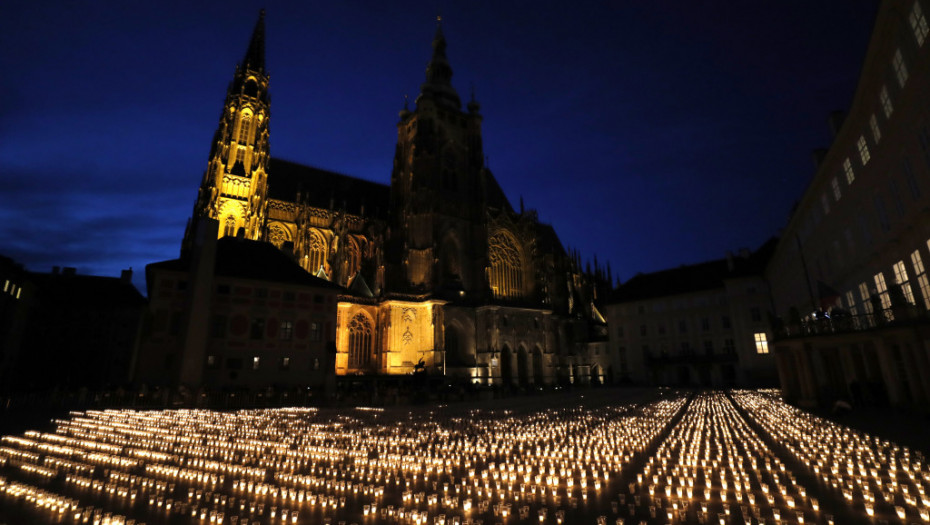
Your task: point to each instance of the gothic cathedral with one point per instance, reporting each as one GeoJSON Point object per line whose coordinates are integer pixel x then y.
{"type": "Point", "coordinates": [439, 269]}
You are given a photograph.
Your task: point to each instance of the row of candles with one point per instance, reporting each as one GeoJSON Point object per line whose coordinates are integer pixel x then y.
{"type": "Point", "coordinates": [874, 476]}
{"type": "Point", "coordinates": [292, 465]}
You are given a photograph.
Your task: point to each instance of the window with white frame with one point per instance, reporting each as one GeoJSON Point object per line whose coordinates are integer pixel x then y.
{"type": "Point", "coordinates": [864, 154]}
{"type": "Point", "coordinates": [887, 107]}
{"type": "Point", "coordinates": [901, 279]}
{"type": "Point", "coordinates": [900, 68]}
{"type": "Point", "coordinates": [921, 274]}
{"type": "Point", "coordinates": [918, 23]}
{"type": "Point", "coordinates": [866, 297]}
{"type": "Point", "coordinates": [848, 170]}
{"type": "Point", "coordinates": [882, 288]}
{"type": "Point", "coordinates": [851, 302]}
{"type": "Point", "coordinates": [836, 189]}
{"type": "Point", "coordinates": [876, 131]}
{"type": "Point", "coordinates": [762, 344]}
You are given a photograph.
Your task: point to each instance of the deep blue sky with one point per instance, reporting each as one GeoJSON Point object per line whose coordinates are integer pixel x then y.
{"type": "Point", "coordinates": [651, 134]}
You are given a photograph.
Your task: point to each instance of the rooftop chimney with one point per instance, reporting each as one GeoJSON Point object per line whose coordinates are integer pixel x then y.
{"type": "Point", "coordinates": [125, 276]}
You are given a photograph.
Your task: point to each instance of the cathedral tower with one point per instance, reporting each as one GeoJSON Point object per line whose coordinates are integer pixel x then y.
{"type": "Point", "coordinates": [234, 186]}
{"type": "Point", "coordinates": [438, 185]}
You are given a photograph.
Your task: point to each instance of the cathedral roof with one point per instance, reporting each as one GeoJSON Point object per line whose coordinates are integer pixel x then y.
{"type": "Point", "coordinates": [255, 55]}
{"type": "Point", "coordinates": [253, 260]}
{"type": "Point", "coordinates": [438, 85]}
{"type": "Point", "coordinates": [327, 189]}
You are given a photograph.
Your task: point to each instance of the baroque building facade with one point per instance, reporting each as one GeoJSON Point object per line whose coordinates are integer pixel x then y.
{"type": "Point", "coordinates": [441, 271]}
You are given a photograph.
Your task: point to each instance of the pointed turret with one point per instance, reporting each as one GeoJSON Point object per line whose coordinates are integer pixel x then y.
{"type": "Point", "coordinates": [438, 85]}
{"type": "Point", "coordinates": [234, 186]}
{"type": "Point", "coordinates": [255, 55]}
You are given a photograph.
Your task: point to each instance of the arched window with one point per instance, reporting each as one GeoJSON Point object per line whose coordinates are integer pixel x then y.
{"type": "Point", "coordinates": [359, 342]}
{"type": "Point", "coordinates": [277, 235]}
{"type": "Point", "coordinates": [230, 230]}
{"type": "Point", "coordinates": [245, 122]}
{"type": "Point", "coordinates": [506, 266]}
{"type": "Point", "coordinates": [317, 252]}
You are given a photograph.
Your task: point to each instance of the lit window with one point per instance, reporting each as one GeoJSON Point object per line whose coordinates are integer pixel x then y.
{"type": "Point", "coordinates": [762, 344]}
{"type": "Point", "coordinates": [900, 68]}
{"type": "Point", "coordinates": [316, 364]}
{"type": "Point", "coordinates": [866, 297]}
{"type": "Point", "coordinates": [901, 279]}
{"type": "Point", "coordinates": [287, 330]}
{"type": "Point", "coordinates": [255, 363]}
{"type": "Point", "coordinates": [886, 102]}
{"type": "Point", "coordinates": [922, 281]}
{"type": "Point", "coordinates": [18, 291]}
{"type": "Point", "coordinates": [213, 362]}
{"type": "Point", "coordinates": [848, 170]}
{"type": "Point", "coordinates": [360, 341]}
{"type": "Point", "coordinates": [825, 202]}
{"type": "Point", "coordinates": [882, 289]}
{"type": "Point", "coordinates": [230, 230]}
{"type": "Point", "coordinates": [836, 189]}
{"type": "Point", "coordinates": [506, 258]}
{"type": "Point", "coordinates": [918, 23]}
{"type": "Point", "coordinates": [876, 131]}
{"type": "Point", "coordinates": [864, 154]}
{"type": "Point", "coordinates": [285, 363]}
{"type": "Point", "coordinates": [244, 125]}
{"type": "Point", "coordinates": [851, 302]}
{"type": "Point", "coordinates": [6, 286]}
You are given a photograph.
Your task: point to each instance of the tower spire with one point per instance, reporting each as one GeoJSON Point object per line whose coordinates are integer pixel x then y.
{"type": "Point", "coordinates": [438, 85]}
{"type": "Point", "coordinates": [255, 55]}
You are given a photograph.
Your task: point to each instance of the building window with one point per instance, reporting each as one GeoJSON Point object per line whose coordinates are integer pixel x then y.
{"type": "Point", "coordinates": [218, 328]}
{"type": "Point", "coordinates": [762, 344]}
{"type": "Point", "coordinates": [709, 347]}
{"type": "Point", "coordinates": [725, 322]}
{"type": "Point", "coordinates": [825, 203]}
{"type": "Point", "coordinates": [835, 183]}
{"type": "Point", "coordinates": [851, 302]}
{"type": "Point", "coordinates": [900, 68]}
{"type": "Point", "coordinates": [866, 296]}
{"type": "Point", "coordinates": [918, 23]}
{"type": "Point", "coordinates": [876, 131]}
{"type": "Point", "coordinates": [686, 348]}
{"type": "Point", "coordinates": [213, 362]}
{"type": "Point", "coordinates": [887, 107]}
{"type": "Point", "coordinates": [261, 293]}
{"type": "Point", "coordinates": [244, 125]}
{"type": "Point", "coordinates": [901, 279]}
{"type": "Point", "coordinates": [848, 170]}
{"type": "Point", "coordinates": [316, 363]}
{"type": "Point", "coordinates": [643, 330]}
{"type": "Point", "coordinates": [258, 328]}
{"type": "Point", "coordinates": [360, 340]}
{"type": "Point", "coordinates": [705, 324]}
{"type": "Point", "coordinates": [234, 363]}
{"type": "Point", "coordinates": [316, 331]}
{"type": "Point", "coordinates": [287, 330]}
{"type": "Point", "coordinates": [922, 281]}
{"type": "Point", "coordinates": [506, 266]}
{"type": "Point", "coordinates": [222, 289]}
{"type": "Point", "coordinates": [289, 297]}
{"type": "Point", "coordinates": [882, 289]}
{"type": "Point", "coordinates": [864, 154]}
{"type": "Point", "coordinates": [755, 314]}
{"type": "Point", "coordinates": [316, 253]}
{"type": "Point", "coordinates": [729, 346]}
{"type": "Point", "coordinates": [682, 326]}
{"type": "Point", "coordinates": [620, 331]}
{"type": "Point", "coordinates": [285, 363]}
{"type": "Point", "coordinates": [256, 362]}
{"type": "Point", "coordinates": [230, 229]}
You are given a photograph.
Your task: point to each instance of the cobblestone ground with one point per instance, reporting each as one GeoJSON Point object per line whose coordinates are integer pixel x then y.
{"type": "Point", "coordinates": [648, 457]}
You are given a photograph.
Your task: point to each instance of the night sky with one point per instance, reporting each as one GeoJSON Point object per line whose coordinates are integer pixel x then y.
{"type": "Point", "coordinates": [652, 134]}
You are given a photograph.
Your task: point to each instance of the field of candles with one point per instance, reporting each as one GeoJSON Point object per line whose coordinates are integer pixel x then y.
{"type": "Point", "coordinates": [740, 457]}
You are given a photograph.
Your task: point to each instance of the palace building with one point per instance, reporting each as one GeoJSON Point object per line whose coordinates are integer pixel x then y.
{"type": "Point", "coordinates": [438, 268]}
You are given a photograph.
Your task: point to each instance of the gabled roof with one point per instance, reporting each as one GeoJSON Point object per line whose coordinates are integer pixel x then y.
{"type": "Point", "coordinates": [91, 291]}
{"type": "Point", "coordinates": [254, 260]}
{"type": "Point", "coordinates": [320, 188]}
{"type": "Point", "coordinates": [693, 277]}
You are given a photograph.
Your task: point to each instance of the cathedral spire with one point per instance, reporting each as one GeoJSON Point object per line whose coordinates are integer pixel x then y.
{"type": "Point", "coordinates": [255, 55]}
{"type": "Point", "coordinates": [438, 85]}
